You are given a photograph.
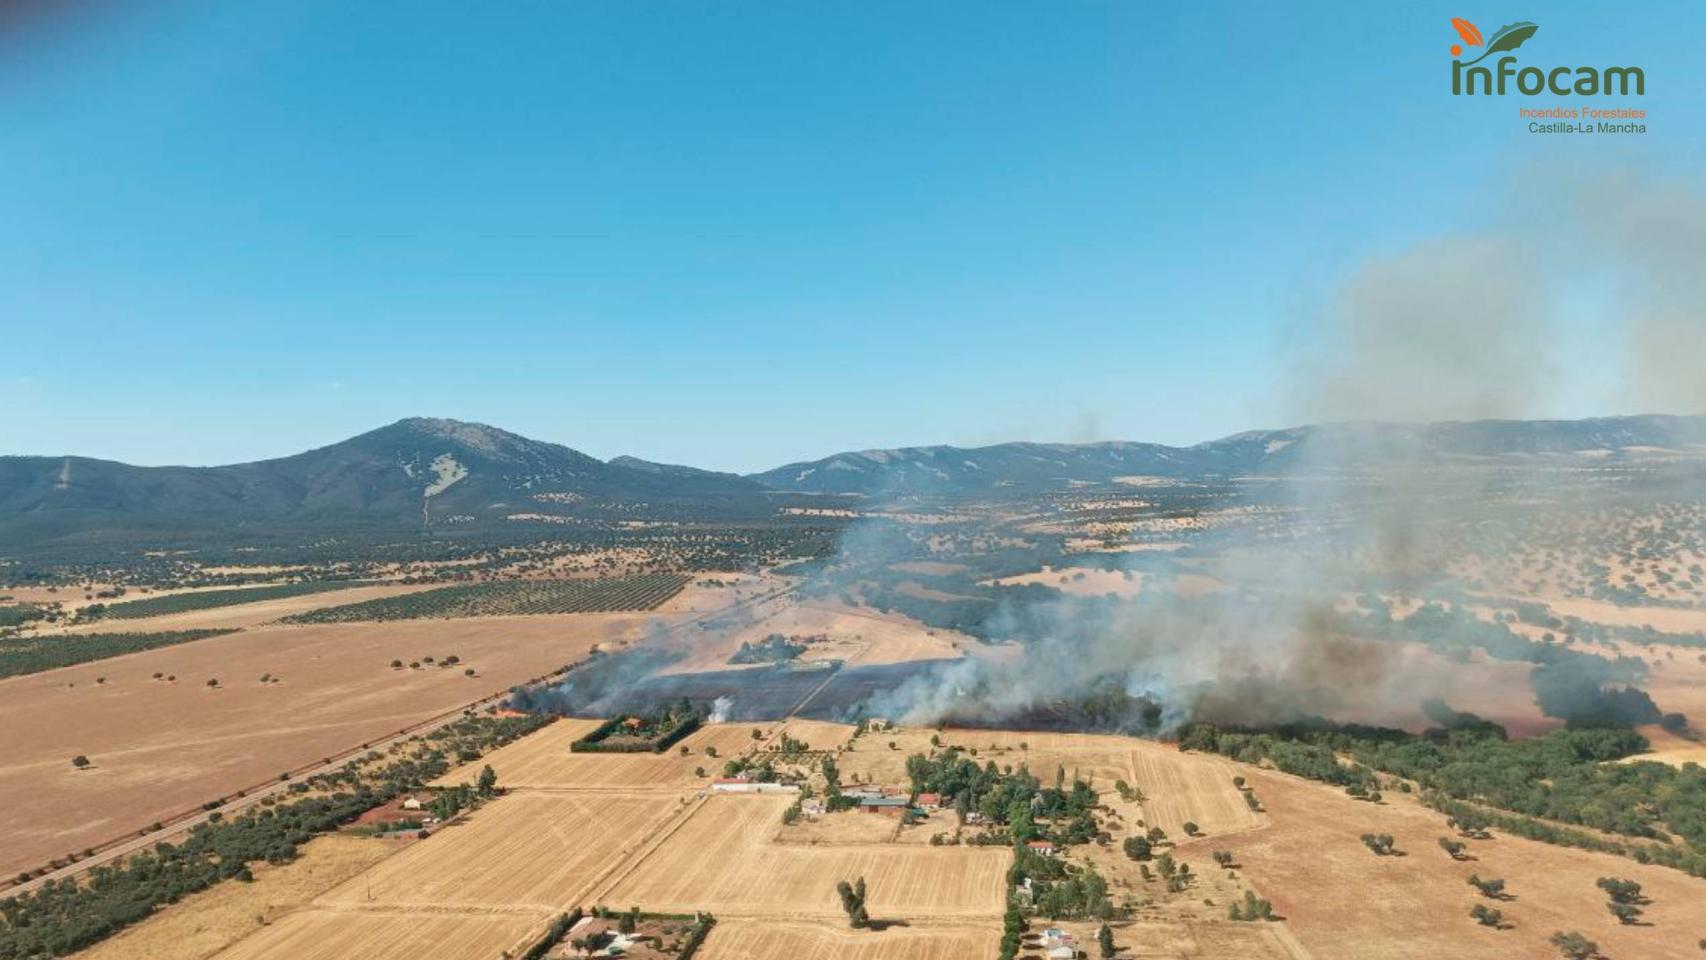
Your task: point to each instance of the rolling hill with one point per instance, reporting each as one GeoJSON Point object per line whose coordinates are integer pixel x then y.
{"type": "Point", "coordinates": [423, 473]}
{"type": "Point", "coordinates": [415, 473]}
{"type": "Point", "coordinates": [1031, 466]}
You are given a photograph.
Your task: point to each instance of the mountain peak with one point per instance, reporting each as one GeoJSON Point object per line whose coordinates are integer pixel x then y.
{"type": "Point", "coordinates": [478, 436]}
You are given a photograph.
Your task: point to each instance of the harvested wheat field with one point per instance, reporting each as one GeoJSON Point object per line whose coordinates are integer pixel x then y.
{"type": "Point", "coordinates": [537, 852]}
{"type": "Point", "coordinates": [1344, 903]}
{"type": "Point", "coordinates": [1151, 938]}
{"type": "Point", "coordinates": [255, 613]}
{"type": "Point", "coordinates": [159, 748]}
{"type": "Point", "coordinates": [1177, 787]}
{"type": "Point", "coordinates": [203, 923]}
{"type": "Point", "coordinates": [793, 940]}
{"type": "Point", "coordinates": [383, 935]}
{"type": "Point", "coordinates": [543, 759]}
{"type": "Point", "coordinates": [870, 759]}
{"type": "Point", "coordinates": [818, 734]}
{"type": "Point", "coordinates": [1669, 747]}
{"type": "Point", "coordinates": [1180, 787]}
{"type": "Point", "coordinates": [723, 859]}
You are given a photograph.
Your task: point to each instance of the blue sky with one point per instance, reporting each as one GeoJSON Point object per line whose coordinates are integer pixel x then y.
{"type": "Point", "coordinates": [736, 235]}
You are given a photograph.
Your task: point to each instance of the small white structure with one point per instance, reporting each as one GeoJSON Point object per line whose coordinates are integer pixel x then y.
{"type": "Point", "coordinates": [742, 785]}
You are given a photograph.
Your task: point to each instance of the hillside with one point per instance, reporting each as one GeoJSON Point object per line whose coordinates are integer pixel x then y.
{"type": "Point", "coordinates": [1020, 466]}
{"type": "Point", "coordinates": [424, 473]}
{"type": "Point", "coordinates": [414, 473]}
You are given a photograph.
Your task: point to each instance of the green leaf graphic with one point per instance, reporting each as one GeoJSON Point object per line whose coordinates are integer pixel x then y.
{"type": "Point", "coordinates": [1509, 37]}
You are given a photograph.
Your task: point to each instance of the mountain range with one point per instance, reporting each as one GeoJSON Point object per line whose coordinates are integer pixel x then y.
{"type": "Point", "coordinates": [423, 472]}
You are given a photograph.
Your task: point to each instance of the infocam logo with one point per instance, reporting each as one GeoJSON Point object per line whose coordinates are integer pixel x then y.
{"type": "Point", "coordinates": [1467, 79]}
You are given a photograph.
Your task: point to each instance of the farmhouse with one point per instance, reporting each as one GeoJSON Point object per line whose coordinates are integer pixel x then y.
{"type": "Point", "coordinates": [1060, 944]}
{"type": "Point", "coordinates": [599, 938]}
{"type": "Point", "coordinates": [930, 801]}
{"type": "Point", "coordinates": [417, 801]}
{"type": "Point", "coordinates": [1043, 847]}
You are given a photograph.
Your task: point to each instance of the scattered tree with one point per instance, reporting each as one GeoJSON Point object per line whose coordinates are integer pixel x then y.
{"type": "Point", "coordinates": [1487, 916]}
{"type": "Point", "coordinates": [1574, 946]}
{"type": "Point", "coordinates": [1626, 913]}
{"type": "Point", "coordinates": [1621, 891]}
{"type": "Point", "coordinates": [1491, 889]}
{"type": "Point", "coordinates": [1382, 844]}
{"type": "Point", "coordinates": [853, 902]}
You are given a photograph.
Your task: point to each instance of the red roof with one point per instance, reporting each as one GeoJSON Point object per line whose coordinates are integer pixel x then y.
{"type": "Point", "coordinates": [1039, 845]}
{"type": "Point", "coordinates": [930, 799]}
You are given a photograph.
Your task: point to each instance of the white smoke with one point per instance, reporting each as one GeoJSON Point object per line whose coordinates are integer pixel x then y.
{"type": "Point", "coordinates": [720, 709]}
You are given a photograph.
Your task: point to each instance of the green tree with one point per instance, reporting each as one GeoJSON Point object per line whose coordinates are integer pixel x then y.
{"type": "Point", "coordinates": [488, 781]}
{"type": "Point", "coordinates": [1626, 913]}
{"type": "Point", "coordinates": [1573, 945]}
{"type": "Point", "coordinates": [1105, 941]}
{"type": "Point", "coordinates": [1492, 889]}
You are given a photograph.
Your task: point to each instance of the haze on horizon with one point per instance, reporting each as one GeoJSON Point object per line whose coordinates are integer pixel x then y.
{"type": "Point", "coordinates": [736, 242]}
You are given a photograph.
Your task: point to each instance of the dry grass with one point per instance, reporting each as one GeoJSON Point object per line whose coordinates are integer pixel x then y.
{"type": "Point", "coordinates": [162, 748]}
{"type": "Point", "coordinates": [1178, 787]}
{"type": "Point", "coordinates": [794, 940]}
{"type": "Point", "coordinates": [250, 614]}
{"type": "Point", "coordinates": [1342, 901]}
{"type": "Point", "coordinates": [1081, 581]}
{"type": "Point", "coordinates": [543, 759]}
{"type": "Point", "coordinates": [723, 859]}
{"type": "Point", "coordinates": [533, 851]}
{"type": "Point", "coordinates": [341, 934]}
{"type": "Point", "coordinates": [204, 923]}
{"type": "Point", "coordinates": [868, 759]}
{"type": "Point", "coordinates": [1670, 748]}
{"type": "Point", "coordinates": [818, 735]}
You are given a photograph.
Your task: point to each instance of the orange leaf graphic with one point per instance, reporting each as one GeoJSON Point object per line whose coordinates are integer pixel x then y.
{"type": "Point", "coordinates": [1467, 31]}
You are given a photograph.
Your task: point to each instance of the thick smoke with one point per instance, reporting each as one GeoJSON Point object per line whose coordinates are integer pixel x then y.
{"type": "Point", "coordinates": [585, 689]}
{"type": "Point", "coordinates": [1458, 328]}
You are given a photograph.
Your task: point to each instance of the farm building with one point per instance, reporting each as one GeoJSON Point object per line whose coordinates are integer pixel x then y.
{"type": "Point", "coordinates": [1043, 847]}
{"type": "Point", "coordinates": [889, 805]}
{"type": "Point", "coordinates": [930, 801]}
{"type": "Point", "coordinates": [417, 801]}
{"type": "Point", "coordinates": [1055, 943]}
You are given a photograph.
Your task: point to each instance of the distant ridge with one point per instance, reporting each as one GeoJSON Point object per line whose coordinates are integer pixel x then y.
{"type": "Point", "coordinates": [945, 469]}
{"type": "Point", "coordinates": [427, 473]}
